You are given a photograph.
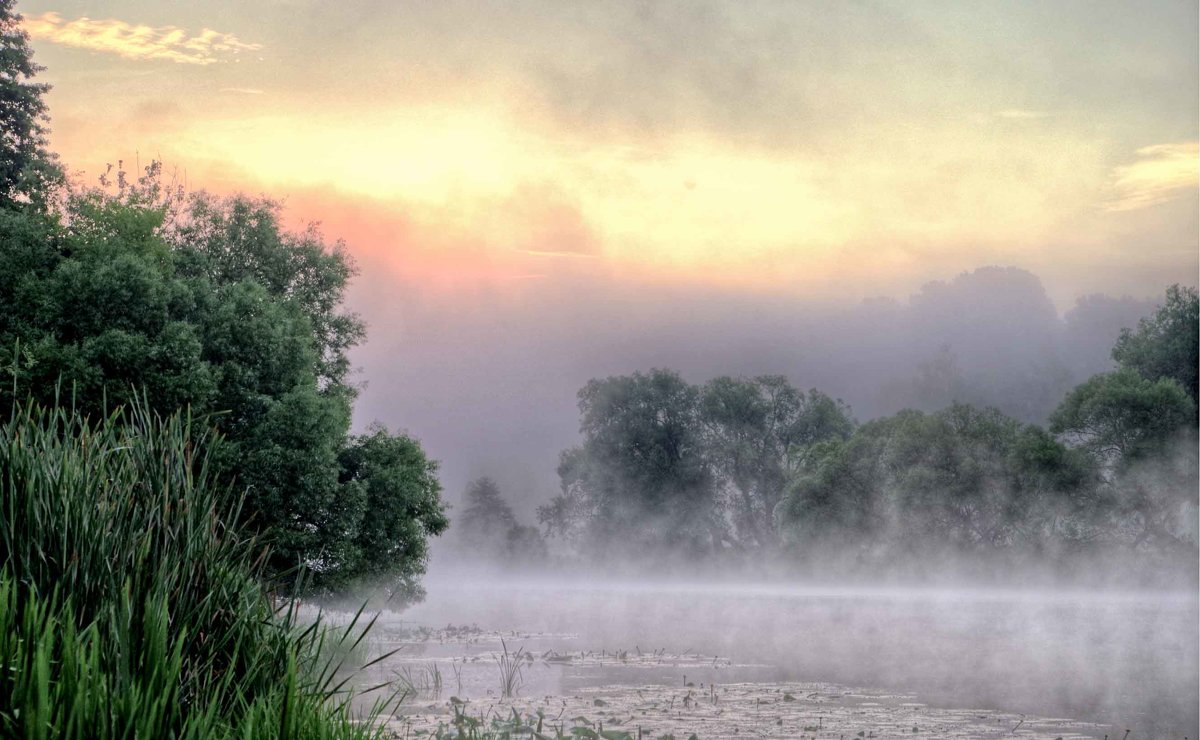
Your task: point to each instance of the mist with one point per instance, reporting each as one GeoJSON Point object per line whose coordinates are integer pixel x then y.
{"type": "Point", "coordinates": [1118, 659]}
{"type": "Point", "coordinates": [1065, 623]}
{"type": "Point", "coordinates": [1062, 624]}
{"type": "Point", "coordinates": [487, 377]}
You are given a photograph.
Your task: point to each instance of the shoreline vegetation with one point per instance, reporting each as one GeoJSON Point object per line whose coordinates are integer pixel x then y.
{"type": "Point", "coordinates": [129, 607]}
{"type": "Point", "coordinates": [176, 467]}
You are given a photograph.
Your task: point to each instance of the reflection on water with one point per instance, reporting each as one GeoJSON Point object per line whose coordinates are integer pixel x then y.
{"type": "Point", "coordinates": [1127, 660]}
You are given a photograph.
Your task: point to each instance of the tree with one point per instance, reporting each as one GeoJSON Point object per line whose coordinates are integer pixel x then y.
{"type": "Point", "coordinates": [487, 515]}
{"type": "Point", "coordinates": [208, 303]}
{"type": "Point", "coordinates": [640, 481]}
{"type": "Point", "coordinates": [27, 170]}
{"type": "Point", "coordinates": [525, 546]}
{"type": "Point", "coordinates": [394, 491]}
{"type": "Point", "coordinates": [1167, 344]}
{"type": "Point", "coordinates": [757, 432]}
{"type": "Point", "coordinates": [1122, 416]}
{"type": "Point", "coordinates": [962, 480]}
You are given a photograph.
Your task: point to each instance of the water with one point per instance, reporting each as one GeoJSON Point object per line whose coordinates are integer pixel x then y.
{"type": "Point", "coordinates": [1120, 659]}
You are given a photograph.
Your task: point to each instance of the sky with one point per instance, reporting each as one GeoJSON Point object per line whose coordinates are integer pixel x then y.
{"type": "Point", "coordinates": [537, 193]}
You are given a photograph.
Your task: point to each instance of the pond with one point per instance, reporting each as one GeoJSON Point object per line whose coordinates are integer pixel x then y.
{"type": "Point", "coordinates": [1110, 660]}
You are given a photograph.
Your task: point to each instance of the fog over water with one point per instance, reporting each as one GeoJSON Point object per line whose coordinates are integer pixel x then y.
{"type": "Point", "coordinates": [1123, 659]}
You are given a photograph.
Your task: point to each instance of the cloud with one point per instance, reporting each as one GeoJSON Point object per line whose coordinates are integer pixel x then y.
{"type": "Point", "coordinates": [134, 41]}
{"type": "Point", "coordinates": [242, 90]}
{"type": "Point", "coordinates": [1163, 172]}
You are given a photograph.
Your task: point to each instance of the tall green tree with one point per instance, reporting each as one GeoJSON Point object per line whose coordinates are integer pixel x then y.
{"type": "Point", "coordinates": [1167, 344]}
{"type": "Point", "coordinates": [394, 491]}
{"type": "Point", "coordinates": [208, 303]}
{"type": "Point", "coordinates": [27, 169]}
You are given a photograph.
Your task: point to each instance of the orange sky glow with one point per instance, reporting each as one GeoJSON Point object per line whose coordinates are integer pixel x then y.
{"type": "Point", "coordinates": [770, 150]}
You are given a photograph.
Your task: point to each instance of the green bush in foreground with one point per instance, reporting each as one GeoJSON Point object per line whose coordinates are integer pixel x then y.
{"type": "Point", "coordinates": [128, 606]}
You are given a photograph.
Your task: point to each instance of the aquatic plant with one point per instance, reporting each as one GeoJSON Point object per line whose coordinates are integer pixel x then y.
{"type": "Point", "coordinates": [130, 607]}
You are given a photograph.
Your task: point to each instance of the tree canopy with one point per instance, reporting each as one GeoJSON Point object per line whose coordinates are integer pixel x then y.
{"type": "Point", "coordinates": [1166, 344]}
{"type": "Point", "coordinates": [666, 465]}
{"type": "Point", "coordinates": [207, 303]}
{"type": "Point", "coordinates": [755, 466]}
{"type": "Point", "coordinates": [1122, 416]}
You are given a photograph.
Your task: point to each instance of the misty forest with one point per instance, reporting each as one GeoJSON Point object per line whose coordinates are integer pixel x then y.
{"type": "Point", "coordinates": [257, 481]}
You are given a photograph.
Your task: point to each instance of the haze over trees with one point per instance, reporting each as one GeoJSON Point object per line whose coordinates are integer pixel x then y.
{"type": "Point", "coordinates": [742, 469]}
{"type": "Point", "coordinates": [488, 528]}
{"type": "Point", "coordinates": [670, 467]}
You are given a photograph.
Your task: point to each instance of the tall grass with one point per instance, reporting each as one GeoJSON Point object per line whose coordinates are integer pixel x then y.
{"type": "Point", "coordinates": [510, 670]}
{"type": "Point", "coordinates": [129, 606]}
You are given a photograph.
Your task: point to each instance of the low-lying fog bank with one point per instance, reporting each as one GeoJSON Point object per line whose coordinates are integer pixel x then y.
{"type": "Point", "coordinates": [1126, 659]}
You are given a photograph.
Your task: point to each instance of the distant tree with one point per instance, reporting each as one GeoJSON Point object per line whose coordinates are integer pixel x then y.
{"type": "Point", "coordinates": [487, 515]}
{"type": "Point", "coordinates": [27, 170]}
{"type": "Point", "coordinates": [489, 530]}
{"type": "Point", "coordinates": [568, 516]}
{"type": "Point", "coordinates": [524, 545]}
{"type": "Point", "coordinates": [962, 479]}
{"type": "Point", "coordinates": [640, 481]}
{"type": "Point", "coordinates": [1091, 327]}
{"type": "Point", "coordinates": [939, 381]}
{"type": "Point", "coordinates": [1122, 416]}
{"type": "Point", "coordinates": [757, 432]}
{"type": "Point", "coordinates": [989, 338]}
{"type": "Point", "coordinates": [1167, 344]}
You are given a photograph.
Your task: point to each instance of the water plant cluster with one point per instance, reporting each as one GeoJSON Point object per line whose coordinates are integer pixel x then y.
{"type": "Point", "coordinates": [130, 607]}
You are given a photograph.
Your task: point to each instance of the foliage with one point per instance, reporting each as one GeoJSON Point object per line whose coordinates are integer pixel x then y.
{"type": "Point", "coordinates": [757, 433]}
{"type": "Point", "coordinates": [28, 173]}
{"type": "Point", "coordinates": [209, 303]}
{"type": "Point", "coordinates": [395, 489]}
{"type": "Point", "coordinates": [963, 478]}
{"type": "Point", "coordinates": [130, 607]}
{"type": "Point", "coordinates": [1122, 416]}
{"type": "Point", "coordinates": [704, 467]}
{"type": "Point", "coordinates": [641, 471]}
{"type": "Point", "coordinates": [766, 467]}
{"type": "Point", "coordinates": [1166, 344]}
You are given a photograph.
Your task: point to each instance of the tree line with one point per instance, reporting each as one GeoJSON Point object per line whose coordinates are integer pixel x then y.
{"type": "Point", "coordinates": [754, 469]}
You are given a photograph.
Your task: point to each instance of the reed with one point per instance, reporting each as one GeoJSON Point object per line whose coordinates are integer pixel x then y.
{"type": "Point", "coordinates": [129, 604]}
